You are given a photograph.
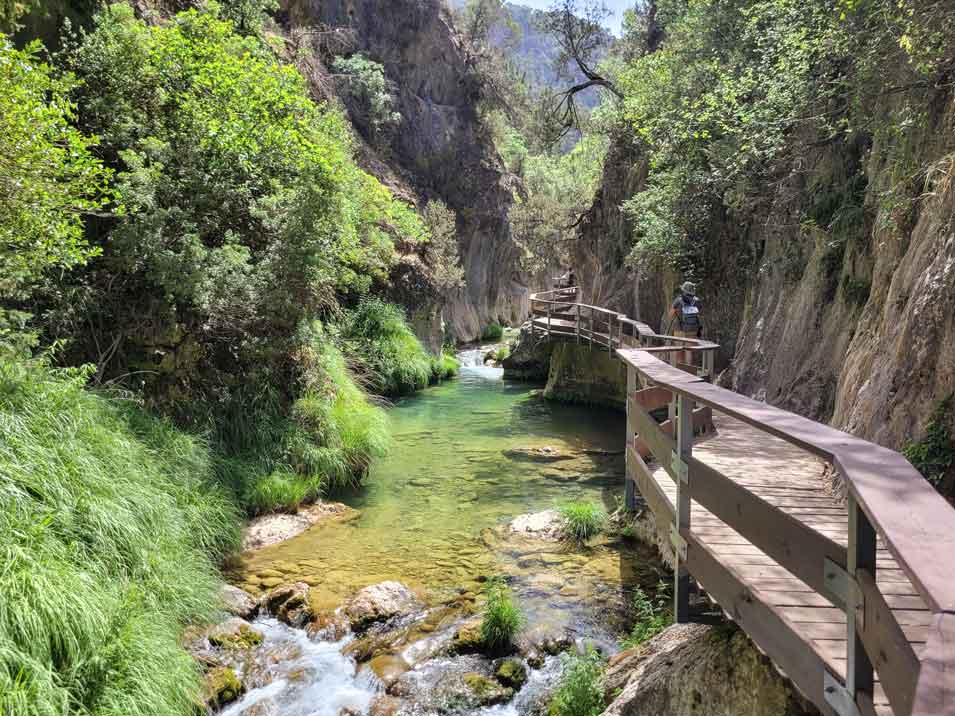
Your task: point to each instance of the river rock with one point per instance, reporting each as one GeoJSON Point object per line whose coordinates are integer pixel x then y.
{"type": "Point", "coordinates": [511, 673]}
{"type": "Point", "coordinates": [237, 601]}
{"type": "Point", "coordinates": [529, 358]}
{"type": "Point", "coordinates": [691, 669]}
{"type": "Point", "coordinates": [329, 627]}
{"type": "Point", "coordinates": [388, 668]}
{"type": "Point", "coordinates": [486, 690]}
{"type": "Point", "coordinates": [221, 686]}
{"type": "Point", "coordinates": [546, 525]}
{"type": "Point", "coordinates": [234, 633]}
{"type": "Point", "coordinates": [379, 602]}
{"type": "Point", "coordinates": [288, 603]}
{"type": "Point", "coordinates": [543, 454]}
{"type": "Point", "coordinates": [274, 528]}
{"type": "Point", "coordinates": [384, 706]}
{"type": "Point", "coordinates": [467, 637]}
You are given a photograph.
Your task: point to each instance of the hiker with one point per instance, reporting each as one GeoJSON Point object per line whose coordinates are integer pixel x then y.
{"type": "Point", "coordinates": [686, 310]}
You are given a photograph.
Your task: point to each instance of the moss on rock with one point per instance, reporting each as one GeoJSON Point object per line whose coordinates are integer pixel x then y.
{"type": "Point", "coordinates": [221, 686]}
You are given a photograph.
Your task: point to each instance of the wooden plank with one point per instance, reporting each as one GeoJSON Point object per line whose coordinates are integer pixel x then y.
{"type": "Point", "coordinates": [935, 689]}
{"type": "Point", "coordinates": [887, 646]}
{"type": "Point", "coordinates": [651, 399]}
{"type": "Point", "coordinates": [661, 446]}
{"type": "Point", "coordinates": [656, 499]}
{"type": "Point", "coordinates": [771, 631]}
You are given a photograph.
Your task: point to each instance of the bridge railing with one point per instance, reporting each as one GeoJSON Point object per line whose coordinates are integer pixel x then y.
{"type": "Point", "coordinates": [887, 499]}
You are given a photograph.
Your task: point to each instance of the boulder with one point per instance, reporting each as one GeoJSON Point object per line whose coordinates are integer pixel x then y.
{"type": "Point", "coordinates": [288, 603]}
{"type": "Point", "coordinates": [486, 690]}
{"type": "Point", "coordinates": [388, 668]}
{"type": "Point", "coordinates": [378, 603]}
{"type": "Point", "coordinates": [221, 686]}
{"type": "Point", "coordinates": [529, 359]}
{"type": "Point", "coordinates": [329, 627]}
{"type": "Point", "coordinates": [237, 602]}
{"type": "Point", "coordinates": [511, 673]}
{"type": "Point", "coordinates": [692, 669]}
{"type": "Point", "coordinates": [546, 525]}
{"type": "Point", "coordinates": [234, 633]}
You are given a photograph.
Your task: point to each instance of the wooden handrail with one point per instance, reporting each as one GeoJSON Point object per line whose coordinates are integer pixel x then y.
{"type": "Point", "coordinates": [886, 497]}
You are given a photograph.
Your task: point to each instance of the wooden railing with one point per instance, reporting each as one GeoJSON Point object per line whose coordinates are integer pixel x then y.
{"type": "Point", "coordinates": [888, 500]}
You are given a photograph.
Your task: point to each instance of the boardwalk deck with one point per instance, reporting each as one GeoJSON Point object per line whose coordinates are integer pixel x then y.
{"type": "Point", "coordinates": [837, 593]}
{"type": "Point", "coordinates": [788, 477]}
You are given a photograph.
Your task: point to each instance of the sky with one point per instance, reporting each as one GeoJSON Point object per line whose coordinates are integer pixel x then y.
{"type": "Point", "coordinates": [613, 22]}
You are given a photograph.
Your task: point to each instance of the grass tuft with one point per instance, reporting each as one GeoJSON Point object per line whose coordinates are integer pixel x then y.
{"type": "Point", "coordinates": [581, 520]}
{"type": "Point", "coordinates": [110, 525]}
{"type": "Point", "coordinates": [503, 618]}
{"type": "Point", "coordinates": [444, 366]}
{"type": "Point", "coordinates": [492, 332]}
{"type": "Point", "coordinates": [652, 616]}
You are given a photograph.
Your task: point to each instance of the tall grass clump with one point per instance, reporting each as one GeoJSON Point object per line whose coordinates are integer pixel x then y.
{"type": "Point", "coordinates": [581, 520]}
{"type": "Point", "coordinates": [444, 366]}
{"type": "Point", "coordinates": [503, 618]}
{"type": "Point", "coordinates": [378, 339]}
{"type": "Point", "coordinates": [580, 691]}
{"type": "Point", "coordinates": [492, 332]}
{"type": "Point", "coordinates": [111, 523]}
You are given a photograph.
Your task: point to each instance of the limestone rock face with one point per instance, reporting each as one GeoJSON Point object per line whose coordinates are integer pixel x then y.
{"type": "Point", "coordinates": [237, 601]}
{"type": "Point", "coordinates": [379, 602]}
{"type": "Point", "coordinates": [692, 669]}
{"type": "Point", "coordinates": [440, 149]}
{"type": "Point", "coordinates": [591, 376]}
{"type": "Point", "coordinates": [529, 359]}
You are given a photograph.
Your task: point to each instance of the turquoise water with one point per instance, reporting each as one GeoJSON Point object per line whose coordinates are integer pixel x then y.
{"type": "Point", "coordinates": [426, 509]}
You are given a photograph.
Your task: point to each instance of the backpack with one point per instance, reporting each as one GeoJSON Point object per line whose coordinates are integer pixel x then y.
{"type": "Point", "coordinates": [689, 313]}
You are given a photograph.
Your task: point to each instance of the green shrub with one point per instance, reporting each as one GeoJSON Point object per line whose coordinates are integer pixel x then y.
{"type": "Point", "coordinates": [110, 526]}
{"type": "Point", "coordinates": [390, 356]}
{"type": "Point", "coordinates": [652, 616]}
{"type": "Point", "coordinates": [581, 520]}
{"type": "Point", "coordinates": [934, 456]}
{"type": "Point", "coordinates": [580, 691]}
{"type": "Point", "coordinates": [502, 353]}
{"type": "Point", "coordinates": [444, 366]}
{"type": "Point", "coordinates": [492, 332]}
{"type": "Point", "coordinates": [503, 618]}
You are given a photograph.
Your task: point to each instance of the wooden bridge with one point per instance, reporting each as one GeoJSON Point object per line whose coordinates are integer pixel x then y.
{"type": "Point", "coordinates": [853, 598]}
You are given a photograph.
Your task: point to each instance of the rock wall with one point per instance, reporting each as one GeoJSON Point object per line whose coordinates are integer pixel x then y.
{"type": "Point", "coordinates": [589, 376]}
{"type": "Point", "coordinates": [849, 329]}
{"type": "Point", "coordinates": [440, 148]}
{"type": "Point", "coordinates": [692, 669]}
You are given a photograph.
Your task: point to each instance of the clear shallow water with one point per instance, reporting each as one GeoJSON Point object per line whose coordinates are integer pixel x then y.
{"type": "Point", "coordinates": [447, 479]}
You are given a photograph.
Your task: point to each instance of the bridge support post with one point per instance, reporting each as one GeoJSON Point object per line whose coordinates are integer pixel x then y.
{"type": "Point", "coordinates": [684, 449]}
{"type": "Point", "coordinates": [861, 555]}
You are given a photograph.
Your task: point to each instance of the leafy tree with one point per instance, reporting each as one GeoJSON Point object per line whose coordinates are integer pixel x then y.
{"type": "Point", "coordinates": [442, 253]}
{"type": "Point", "coordinates": [49, 178]}
{"type": "Point", "coordinates": [365, 83]}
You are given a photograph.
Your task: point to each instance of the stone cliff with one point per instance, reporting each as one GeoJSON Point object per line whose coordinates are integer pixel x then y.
{"type": "Point", "coordinates": [440, 148]}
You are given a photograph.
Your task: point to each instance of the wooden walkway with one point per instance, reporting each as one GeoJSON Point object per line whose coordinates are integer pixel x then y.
{"type": "Point", "coordinates": [854, 600]}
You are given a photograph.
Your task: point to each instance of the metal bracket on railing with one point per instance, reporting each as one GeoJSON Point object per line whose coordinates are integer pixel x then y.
{"type": "Point", "coordinates": [838, 696]}
{"type": "Point", "coordinates": [844, 588]}
{"type": "Point", "coordinates": [680, 469]}
{"type": "Point", "coordinates": [679, 544]}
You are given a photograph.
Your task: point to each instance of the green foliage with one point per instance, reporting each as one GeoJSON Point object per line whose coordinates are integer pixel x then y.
{"type": "Point", "coordinates": [50, 176]}
{"type": "Point", "coordinates": [365, 83]}
{"type": "Point", "coordinates": [580, 691]}
{"type": "Point", "coordinates": [444, 366]}
{"type": "Point", "coordinates": [442, 253]}
{"type": "Point", "coordinates": [247, 16]}
{"type": "Point", "coordinates": [110, 525]}
{"type": "Point", "coordinates": [581, 520]}
{"type": "Point", "coordinates": [934, 455]}
{"type": "Point", "coordinates": [503, 618]}
{"type": "Point", "coordinates": [387, 352]}
{"type": "Point", "coordinates": [492, 332]}
{"type": "Point", "coordinates": [652, 615]}
{"type": "Point", "coordinates": [247, 213]}
{"type": "Point", "coordinates": [502, 353]}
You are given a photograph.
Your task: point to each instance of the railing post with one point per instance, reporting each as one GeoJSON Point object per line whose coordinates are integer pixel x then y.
{"type": "Point", "coordinates": [630, 488]}
{"type": "Point", "coordinates": [861, 555]}
{"type": "Point", "coordinates": [709, 363]}
{"type": "Point", "coordinates": [533, 317]}
{"type": "Point", "coordinates": [672, 358]}
{"type": "Point", "coordinates": [684, 448]}
{"type": "Point", "coordinates": [577, 322]}
{"type": "Point", "coordinates": [548, 318]}
{"type": "Point", "coordinates": [610, 334]}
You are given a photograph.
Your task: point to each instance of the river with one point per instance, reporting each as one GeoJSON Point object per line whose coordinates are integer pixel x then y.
{"type": "Point", "coordinates": [431, 516]}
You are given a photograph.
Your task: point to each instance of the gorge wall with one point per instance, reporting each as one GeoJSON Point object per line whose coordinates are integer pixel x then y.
{"type": "Point", "coordinates": [440, 148]}
{"type": "Point", "coordinates": [847, 328]}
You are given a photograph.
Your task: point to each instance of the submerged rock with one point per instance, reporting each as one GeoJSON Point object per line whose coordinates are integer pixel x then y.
{"type": "Point", "coordinates": [289, 604]}
{"type": "Point", "coordinates": [388, 668]}
{"type": "Point", "coordinates": [234, 633]}
{"type": "Point", "coordinates": [379, 602]}
{"type": "Point", "coordinates": [692, 669]}
{"type": "Point", "coordinates": [274, 528]}
{"type": "Point", "coordinates": [221, 686]}
{"type": "Point", "coordinates": [546, 525]}
{"type": "Point", "coordinates": [237, 601]}
{"type": "Point", "coordinates": [545, 454]}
